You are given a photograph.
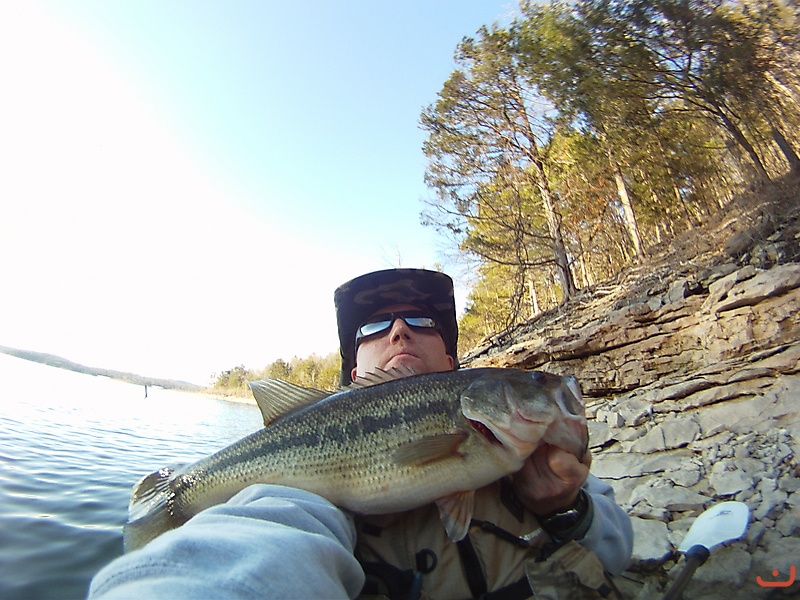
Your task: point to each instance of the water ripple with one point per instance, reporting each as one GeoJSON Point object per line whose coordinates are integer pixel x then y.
{"type": "Point", "coordinates": [70, 450]}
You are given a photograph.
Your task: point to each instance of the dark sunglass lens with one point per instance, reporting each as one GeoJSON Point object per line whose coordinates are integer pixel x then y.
{"type": "Point", "coordinates": [368, 329]}
{"type": "Point", "coordinates": [383, 323]}
{"type": "Point", "coordinates": [425, 322]}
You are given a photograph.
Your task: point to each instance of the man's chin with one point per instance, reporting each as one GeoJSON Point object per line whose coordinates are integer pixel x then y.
{"type": "Point", "coordinates": [409, 361]}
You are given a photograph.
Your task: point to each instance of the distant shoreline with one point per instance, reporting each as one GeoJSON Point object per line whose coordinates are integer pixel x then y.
{"type": "Point", "coordinates": [226, 398]}
{"type": "Point", "coordinates": [52, 360]}
{"type": "Point", "coordinates": [59, 362]}
{"type": "Point", "coordinates": [62, 363]}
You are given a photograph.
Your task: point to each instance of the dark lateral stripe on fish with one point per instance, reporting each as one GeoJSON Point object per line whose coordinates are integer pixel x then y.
{"type": "Point", "coordinates": [387, 416]}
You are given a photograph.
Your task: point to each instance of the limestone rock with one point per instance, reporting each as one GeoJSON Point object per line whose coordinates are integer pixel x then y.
{"type": "Point", "coordinates": [664, 494]}
{"type": "Point", "coordinates": [650, 540]}
{"type": "Point", "coordinates": [715, 578]}
{"type": "Point", "coordinates": [779, 555]}
{"type": "Point", "coordinates": [727, 483]}
{"type": "Point", "coordinates": [692, 367]}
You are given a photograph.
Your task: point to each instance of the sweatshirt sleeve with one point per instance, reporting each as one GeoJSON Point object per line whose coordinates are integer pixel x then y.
{"type": "Point", "coordinates": [610, 535]}
{"type": "Point", "coordinates": [266, 542]}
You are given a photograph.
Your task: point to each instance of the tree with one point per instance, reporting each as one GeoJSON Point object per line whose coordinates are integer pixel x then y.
{"type": "Point", "coordinates": [312, 371]}
{"type": "Point", "coordinates": [232, 379]}
{"type": "Point", "coordinates": [490, 306]}
{"type": "Point", "coordinates": [486, 142]}
{"type": "Point", "coordinates": [701, 57]}
{"type": "Point", "coordinates": [770, 27]}
{"type": "Point", "coordinates": [279, 369]}
{"type": "Point", "coordinates": [585, 132]}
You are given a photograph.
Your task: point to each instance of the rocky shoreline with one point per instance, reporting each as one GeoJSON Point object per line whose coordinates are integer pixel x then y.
{"type": "Point", "coordinates": [691, 373]}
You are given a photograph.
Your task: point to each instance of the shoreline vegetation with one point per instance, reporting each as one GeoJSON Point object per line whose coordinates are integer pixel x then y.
{"type": "Point", "coordinates": [317, 372]}
{"type": "Point", "coordinates": [231, 385]}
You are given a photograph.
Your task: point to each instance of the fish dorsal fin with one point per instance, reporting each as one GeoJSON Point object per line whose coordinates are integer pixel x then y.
{"type": "Point", "coordinates": [277, 398]}
{"type": "Point", "coordinates": [455, 511]}
{"type": "Point", "coordinates": [429, 448]}
{"type": "Point", "coordinates": [380, 376]}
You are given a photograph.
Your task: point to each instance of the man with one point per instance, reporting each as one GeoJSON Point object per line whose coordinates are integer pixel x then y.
{"type": "Point", "coordinates": [405, 318]}
{"type": "Point", "coordinates": [274, 541]}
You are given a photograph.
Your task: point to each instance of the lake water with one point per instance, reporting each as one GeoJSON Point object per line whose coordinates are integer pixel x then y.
{"type": "Point", "coordinates": [71, 448]}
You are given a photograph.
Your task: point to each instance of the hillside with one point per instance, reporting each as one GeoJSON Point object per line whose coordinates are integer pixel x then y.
{"type": "Point", "coordinates": [690, 366]}
{"type": "Point", "coordinates": [63, 363]}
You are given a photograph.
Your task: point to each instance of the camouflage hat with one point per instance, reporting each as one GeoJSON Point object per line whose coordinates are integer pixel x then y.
{"type": "Point", "coordinates": [360, 298]}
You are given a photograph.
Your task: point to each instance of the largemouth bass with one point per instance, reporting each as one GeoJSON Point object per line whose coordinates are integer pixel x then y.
{"type": "Point", "coordinates": [393, 446]}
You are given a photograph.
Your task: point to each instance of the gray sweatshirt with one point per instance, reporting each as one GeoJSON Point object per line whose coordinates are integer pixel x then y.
{"type": "Point", "coordinates": [271, 541]}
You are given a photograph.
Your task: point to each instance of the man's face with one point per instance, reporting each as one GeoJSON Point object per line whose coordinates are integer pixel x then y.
{"type": "Point", "coordinates": [420, 349]}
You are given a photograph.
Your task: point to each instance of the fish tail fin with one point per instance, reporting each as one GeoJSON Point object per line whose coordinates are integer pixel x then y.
{"type": "Point", "coordinates": [151, 509]}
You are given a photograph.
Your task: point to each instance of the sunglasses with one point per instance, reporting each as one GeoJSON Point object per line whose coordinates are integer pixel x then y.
{"type": "Point", "coordinates": [379, 325]}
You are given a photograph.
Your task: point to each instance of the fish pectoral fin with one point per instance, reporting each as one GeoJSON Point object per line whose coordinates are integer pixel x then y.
{"type": "Point", "coordinates": [277, 398]}
{"type": "Point", "coordinates": [430, 448]}
{"type": "Point", "coordinates": [149, 513]}
{"type": "Point", "coordinates": [455, 511]}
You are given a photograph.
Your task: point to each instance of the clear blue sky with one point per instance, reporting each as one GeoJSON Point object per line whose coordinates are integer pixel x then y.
{"type": "Point", "coordinates": [185, 183]}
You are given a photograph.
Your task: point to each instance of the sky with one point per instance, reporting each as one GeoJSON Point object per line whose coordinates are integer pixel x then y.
{"type": "Point", "coordinates": [184, 184]}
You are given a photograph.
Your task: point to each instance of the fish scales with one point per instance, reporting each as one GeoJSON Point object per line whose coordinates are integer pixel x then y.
{"type": "Point", "coordinates": [385, 448]}
{"type": "Point", "coordinates": [334, 438]}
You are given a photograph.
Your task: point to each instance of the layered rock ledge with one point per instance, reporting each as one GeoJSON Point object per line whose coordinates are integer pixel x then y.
{"type": "Point", "coordinates": [690, 368]}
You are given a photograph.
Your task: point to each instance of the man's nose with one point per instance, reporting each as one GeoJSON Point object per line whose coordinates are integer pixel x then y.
{"type": "Point", "coordinates": [400, 330]}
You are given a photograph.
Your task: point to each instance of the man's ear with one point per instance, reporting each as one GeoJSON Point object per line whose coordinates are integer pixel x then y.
{"type": "Point", "coordinates": [452, 362]}
{"type": "Point", "coordinates": [353, 373]}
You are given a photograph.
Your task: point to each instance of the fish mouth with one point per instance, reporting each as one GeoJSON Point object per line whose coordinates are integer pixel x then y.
{"type": "Point", "coordinates": [485, 432]}
{"type": "Point", "coordinates": [505, 437]}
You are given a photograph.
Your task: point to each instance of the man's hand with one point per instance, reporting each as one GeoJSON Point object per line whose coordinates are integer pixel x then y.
{"type": "Point", "coordinates": [550, 479]}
